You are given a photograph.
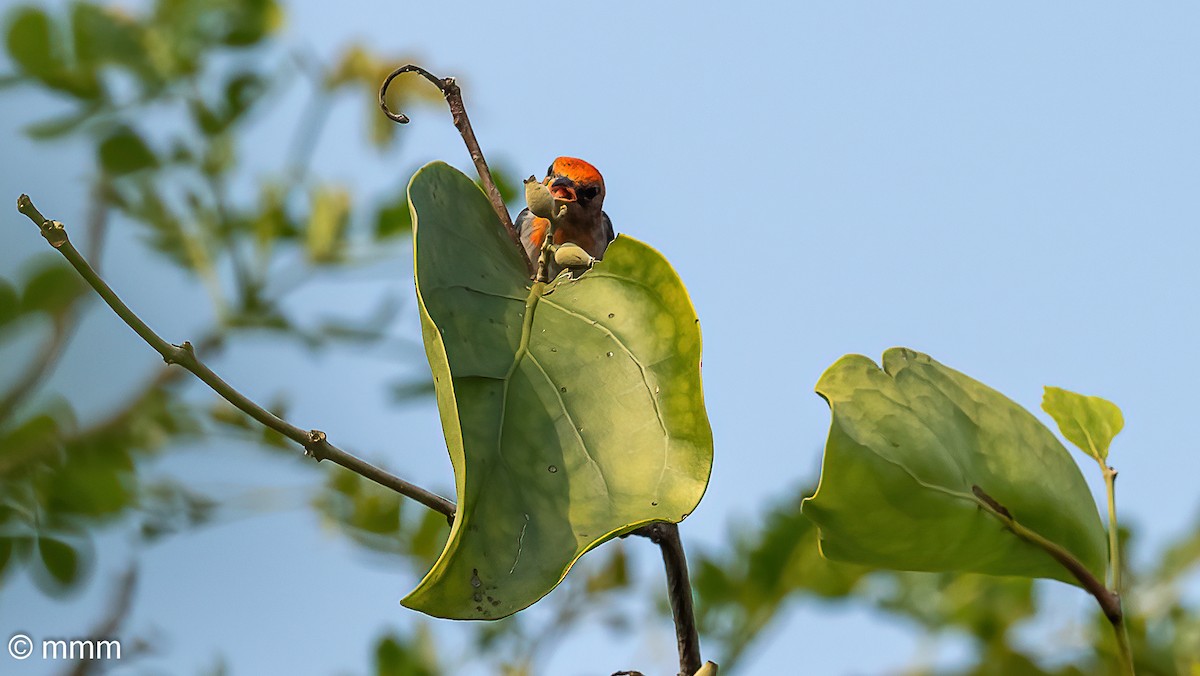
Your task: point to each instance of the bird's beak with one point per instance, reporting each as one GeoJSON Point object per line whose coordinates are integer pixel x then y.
{"type": "Point", "coordinates": [563, 189]}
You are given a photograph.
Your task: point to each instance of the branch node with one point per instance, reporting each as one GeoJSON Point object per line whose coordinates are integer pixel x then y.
{"type": "Point", "coordinates": [54, 231]}
{"type": "Point", "coordinates": [316, 445]}
{"type": "Point", "coordinates": [183, 355]}
{"type": "Point", "coordinates": [991, 502]}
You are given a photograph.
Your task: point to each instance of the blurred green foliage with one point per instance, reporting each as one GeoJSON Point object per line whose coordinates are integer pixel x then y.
{"type": "Point", "coordinates": [164, 96]}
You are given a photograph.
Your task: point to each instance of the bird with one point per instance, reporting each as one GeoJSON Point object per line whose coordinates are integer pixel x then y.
{"type": "Point", "coordinates": [581, 187]}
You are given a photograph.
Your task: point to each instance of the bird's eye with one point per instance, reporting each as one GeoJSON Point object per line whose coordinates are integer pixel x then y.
{"type": "Point", "coordinates": [589, 193]}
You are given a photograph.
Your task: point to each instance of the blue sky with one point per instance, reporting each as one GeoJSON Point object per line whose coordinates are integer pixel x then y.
{"type": "Point", "coordinates": [1010, 188]}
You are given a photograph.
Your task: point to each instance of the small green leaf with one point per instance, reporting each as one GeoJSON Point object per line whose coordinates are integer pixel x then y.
{"type": "Point", "coordinates": [52, 288]}
{"type": "Point", "coordinates": [124, 152]}
{"type": "Point", "coordinates": [29, 42]}
{"type": "Point", "coordinates": [1088, 422]}
{"type": "Point", "coordinates": [59, 126]}
{"type": "Point", "coordinates": [97, 481]}
{"type": "Point", "coordinates": [613, 575]}
{"type": "Point", "coordinates": [60, 559]}
{"type": "Point", "coordinates": [325, 237]}
{"type": "Point", "coordinates": [10, 302]}
{"type": "Point", "coordinates": [573, 412]}
{"type": "Point", "coordinates": [18, 550]}
{"type": "Point", "coordinates": [6, 551]}
{"type": "Point", "coordinates": [508, 188]}
{"type": "Point", "coordinates": [249, 21]}
{"type": "Point", "coordinates": [399, 656]}
{"type": "Point", "coordinates": [207, 121]}
{"type": "Point", "coordinates": [907, 445]}
{"type": "Point", "coordinates": [104, 35]}
{"type": "Point", "coordinates": [393, 219]}
{"type": "Point", "coordinates": [241, 92]}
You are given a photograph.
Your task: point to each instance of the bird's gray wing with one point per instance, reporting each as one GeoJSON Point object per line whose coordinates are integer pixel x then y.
{"type": "Point", "coordinates": [524, 228]}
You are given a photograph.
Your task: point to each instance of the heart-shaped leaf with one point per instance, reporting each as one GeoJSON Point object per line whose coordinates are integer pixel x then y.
{"type": "Point", "coordinates": [907, 446]}
{"type": "Point", "coordinates": [1088, 422]}
{"type": "Point", "coordinates": [573, 411]}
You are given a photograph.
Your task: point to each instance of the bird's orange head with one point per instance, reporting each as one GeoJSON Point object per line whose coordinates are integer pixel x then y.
{"type": "Point", "coordinates": [573, 180]}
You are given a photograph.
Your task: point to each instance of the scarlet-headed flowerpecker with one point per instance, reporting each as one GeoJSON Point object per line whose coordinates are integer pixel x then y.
{"type": "Point", "coordinates": [581, 187]}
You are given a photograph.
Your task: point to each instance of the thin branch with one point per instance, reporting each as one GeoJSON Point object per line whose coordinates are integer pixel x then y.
{"type": "Point", "coordinates": [459, 113]}
{"type": "Point", "coordinates": [120, 605]}
{"type": "Point", "coordinates": [118, 417]}
{"type": "Point", "coordinates": [679, 591]}
{"type": "Point", "coordinates": [1109, 602]}
{"type": "Point", "coordinates": [64, 325]}
{"type": "Point", "coordinates": [314, 442]}
{"type": "Point", "coordinates": [38, 368]}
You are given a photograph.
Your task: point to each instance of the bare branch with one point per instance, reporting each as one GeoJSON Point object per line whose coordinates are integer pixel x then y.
{"type": "Point", "coordinates": [119, 607]}
{"type": "Point", "coordinates": [679, 591]}
{"type": "Point", "coordinates": [459, 112]}
{"type": "Point", "coordinates": [64, 324]}
{"type": "Point", "coordinates": [314, 442]}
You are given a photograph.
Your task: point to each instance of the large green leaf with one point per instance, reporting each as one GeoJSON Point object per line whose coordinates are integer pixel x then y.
{"type": "Point", "coordinates": [907, 445]}
{"type": "Point", "coordinates": [572, 411]}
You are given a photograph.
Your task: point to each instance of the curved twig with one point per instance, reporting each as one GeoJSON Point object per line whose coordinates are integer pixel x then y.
{"type": "Point", "coordinates": [438, 82]}
{"type": "Point", "coordinates": [458, 112]}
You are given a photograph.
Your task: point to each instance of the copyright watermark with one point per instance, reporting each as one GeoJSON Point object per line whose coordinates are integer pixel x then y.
{"type": "Point", "coordinates": [22, 646]}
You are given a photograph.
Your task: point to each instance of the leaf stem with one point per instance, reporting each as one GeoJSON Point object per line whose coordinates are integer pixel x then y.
{"type": "Point", "coordinates": [679, 591]}
{"type": "Point", "coordinates": [314, 442]}
{"type": "Point", "coordinates": [1110, 601]}
{"type": "Point", "coordinates": [1114, 564]}
{"type": "Point", "coordinates": [1114, 545]}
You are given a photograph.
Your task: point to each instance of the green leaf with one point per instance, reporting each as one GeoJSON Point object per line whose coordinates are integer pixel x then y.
{"type": "Point", "coordinates": [400, 656]}
{"type": "Point", "coordinates": [29, 42]}
{"type": "Point", "coordinates": [508, 187]}
{"type": "Point", "coordinates": [94, 483]}
{"type": "Point", "coordinates": [765, 563]}
{"type": "Point", "coordinates": [52, 288]}
{"type": "Point", "coordinates": [325, 237]}
{"type": "Point", "coordinates": [393, 218]}
{"type": "Point", "coordinates": [105, 35]}
{"type": "Point", "coordinates": [984, 606]}
{"type": "Point", "coordinates": [32, 44]}
{"type": "Point", "coordinates": [60, 559]}
{"type": "Point", "coordinates": [60, 125]}
{"type": "Point", "coordinates": [124, 152]}
{"type": "Point", "coordinates": [6, 552]}
{"type": "Point", "coordinates": [249, 21]}
{"type": "Point", "coordinates": [10, 302]}
{"type": "Point", "coordinates": [1088, 422]}
{"type": "Point", "coordinates": [613, 575]}
{"type": "Point", "coordinates": [241, 92]}
{"type": "Point", "coordinates": [906, 446]}
{"type": "Point", "coordinates": [571, 420]}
